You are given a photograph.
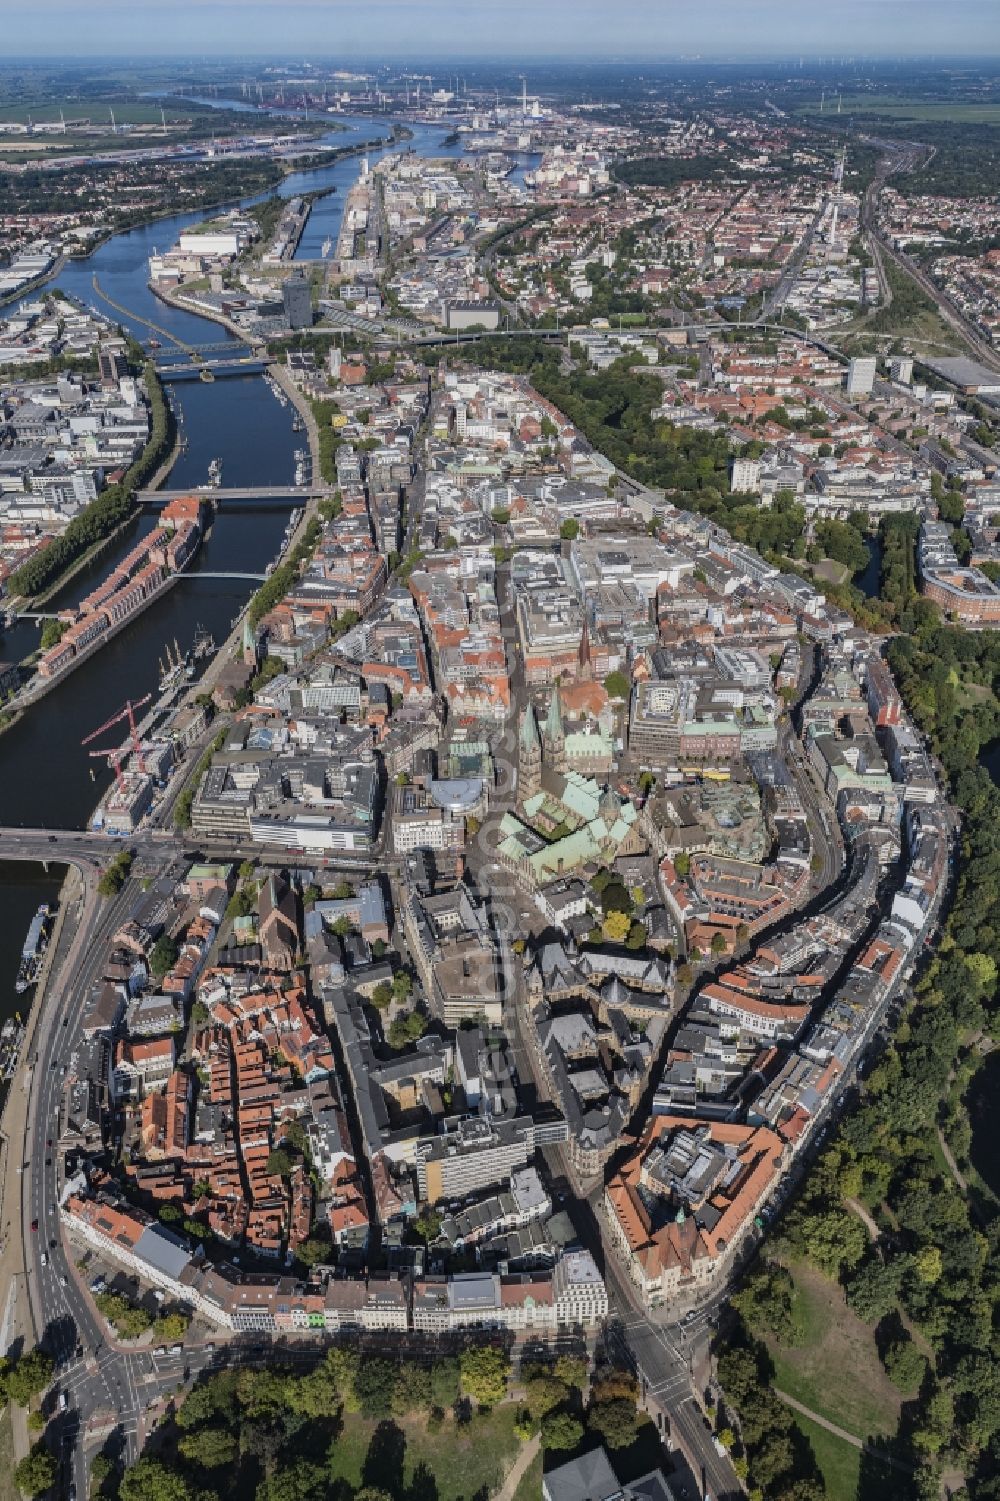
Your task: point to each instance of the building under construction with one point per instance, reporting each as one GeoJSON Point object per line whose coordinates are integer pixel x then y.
{"type": "Point", "coordinates": [125, 803]}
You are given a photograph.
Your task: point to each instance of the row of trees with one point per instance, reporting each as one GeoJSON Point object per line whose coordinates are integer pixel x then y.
{"type": "Point", "coordinates": [329, 438]}
{"type": "Point", "coordinates": [275, 1433]}
{"type": "Point", "coordinates": [22, 1381]}
{"type": "Point", "coordinates": [274, 589]}
{"type": "Point", "coordinates": [776, 1461]}
{"type": "Point", "coordinates": [115, 874]}
{"type": "Point", "coordinates": [185, 800]}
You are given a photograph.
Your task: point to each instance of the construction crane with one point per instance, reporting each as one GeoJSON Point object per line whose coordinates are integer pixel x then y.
{"type": "Point", "coordinates": [116, 756]}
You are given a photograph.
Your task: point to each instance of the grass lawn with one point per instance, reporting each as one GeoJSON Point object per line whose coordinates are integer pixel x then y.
{"type": "Point", "coordinates": [973, 693]}
{"type": "Point", "coordinates": [835, 1370]}
{"type": "Point", "coordinates": [8, 1490]}
{"type": "Point", "coordinates": [832, 572]}
{"type": "Point", "coordinates": [839, 1462]}
{"type": "Point", "coordinates": [464, 1460]}
{"type": "Point", "coordinates": [892, 107]}
{"type": "Point", "coordinates": [531, 1481]}
{"type": "Point", "coordinates": [97, 111]}
{"type": "Point", "coordinates": [940, 1160]}
{"type": "Point", "coordinates": [922, 326]}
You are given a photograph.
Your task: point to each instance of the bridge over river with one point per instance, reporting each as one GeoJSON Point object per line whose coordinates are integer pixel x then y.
{"type": "Point", "coordinates": [281, 495]}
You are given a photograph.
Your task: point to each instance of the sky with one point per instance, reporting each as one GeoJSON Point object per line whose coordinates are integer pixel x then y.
{"type": "Point", "coordinates": [649, 29]}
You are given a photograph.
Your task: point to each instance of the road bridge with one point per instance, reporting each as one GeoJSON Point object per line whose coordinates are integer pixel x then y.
{"type": "Point", "coordinates": [14, 840]}
{"type": "Point", "coordinates": [224, 346]}
{"type": "Point", "coordinates": [217, 369]}
{"type": "Point", "coordinates": [292, 495]}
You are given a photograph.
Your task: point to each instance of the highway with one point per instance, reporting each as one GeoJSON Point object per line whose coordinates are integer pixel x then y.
{"type": "Point", "coordinates": [95, 1375]}
{"type": "Point", "coordinates": [109, 1387]}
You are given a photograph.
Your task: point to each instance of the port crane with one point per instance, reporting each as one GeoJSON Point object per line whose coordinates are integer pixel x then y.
{"type": "Point", "coordinates": [116, 756]}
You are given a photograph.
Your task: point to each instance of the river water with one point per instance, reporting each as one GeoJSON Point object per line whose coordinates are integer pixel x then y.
{"type": "Point", "coordinates": [870, 577]}
{"type": "Point", "coordinates": [46, 777]}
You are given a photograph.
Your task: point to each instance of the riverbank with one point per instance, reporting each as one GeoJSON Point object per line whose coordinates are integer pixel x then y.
{"type": "Point", "coordinates": [39, 687]}
{"type": "Point", "coordinates": [47, 779]}
{"type": "Point", "coordinates": [286, 166]}
{"type": "Point", "coordinates": [183, 305]}
{"type": "Point", "coordinates": [31, 287]}
{"type": "Point", "coordinates": [94, 555]}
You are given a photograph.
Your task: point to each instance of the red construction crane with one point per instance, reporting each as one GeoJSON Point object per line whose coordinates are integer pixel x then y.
{"type": "Point", "coordinates": [117, 755]}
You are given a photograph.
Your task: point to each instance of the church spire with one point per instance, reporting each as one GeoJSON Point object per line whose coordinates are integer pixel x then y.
{"type": "Point", "coordinates": [553, 722]}
{"type": "Point", "coordinates": [529, 730]}
{"type": "Point", "coordinates": [555, 735]}
{"type": "Point", "coordinates": [529, 755]}
{"type": "Point", "coordinates": [583, 655]}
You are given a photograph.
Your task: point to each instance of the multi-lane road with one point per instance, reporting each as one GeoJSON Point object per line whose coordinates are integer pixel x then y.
{"type": "Point", "coordinates": [94, 1376]}
{"type": "Point", "coordinates": [107, 1387]}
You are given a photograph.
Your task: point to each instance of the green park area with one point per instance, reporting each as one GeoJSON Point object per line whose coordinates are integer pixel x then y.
{"type": "Point", "coordinates": [8, 1487]}
{"type": "Point", "coordinates": [874, 1304]}
{"type": "Point", "coordinates": [839, 1462]}
{"type": "Point", "coordinates": [831, 1337]}
{"type": "Point", "coordinates": [466, 1459]}
{"type": "Point", "coordinates": [95, 112]}
{"type": "Point", "coordinates": [911, 315]}
{"type": "Point", "coordinates": [896, 107]}
{"type": "Point", "coordinates": [809, 1349]}
{"type": "Point", "coordinates": [375, 1427]}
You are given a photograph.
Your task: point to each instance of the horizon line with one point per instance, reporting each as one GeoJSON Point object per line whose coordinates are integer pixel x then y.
{"type": "Point", "coordinates": [826, 59]}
